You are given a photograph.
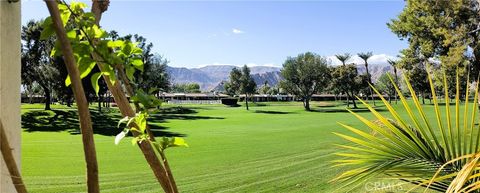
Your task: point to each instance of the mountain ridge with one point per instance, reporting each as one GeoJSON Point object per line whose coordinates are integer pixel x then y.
{"type": "Point", "coordinates": [210, 77]}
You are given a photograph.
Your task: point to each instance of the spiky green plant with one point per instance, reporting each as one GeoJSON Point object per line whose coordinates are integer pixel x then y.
{"type": "Point", "coordinates": [440, 155]}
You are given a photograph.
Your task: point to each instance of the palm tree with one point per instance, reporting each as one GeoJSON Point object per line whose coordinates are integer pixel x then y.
{"type": "Point", "coordinates": [393, 63]}
{"type": "Point", "coordinates": [365, 57]}
{"type": "Point", "coordinates": [441, 154]}
{"type": "Point", "coordinates": [343, 57]}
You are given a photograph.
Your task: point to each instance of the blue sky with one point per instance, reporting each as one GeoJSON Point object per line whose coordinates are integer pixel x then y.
{"type": "Point", "coordinates": [193, 33]}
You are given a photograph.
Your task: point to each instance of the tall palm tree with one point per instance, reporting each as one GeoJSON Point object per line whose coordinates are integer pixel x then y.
{"type": "Point", "coordinates": [365, 57]}
{"type": "Point", "coordinates": [343, 57]}
{"type": "Point", "coordinates": [393, 63]}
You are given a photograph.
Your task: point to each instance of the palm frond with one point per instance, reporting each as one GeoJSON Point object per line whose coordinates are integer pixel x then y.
{"type": "Point", "coordinates": [440, 156]}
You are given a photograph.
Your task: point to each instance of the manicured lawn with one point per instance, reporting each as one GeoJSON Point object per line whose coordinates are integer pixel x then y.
{"type": "Point", "coordinates": [274, 147]}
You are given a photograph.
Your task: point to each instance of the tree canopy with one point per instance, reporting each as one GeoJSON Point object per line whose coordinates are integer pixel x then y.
{"type": "Point", "coordinates": [305, 75]}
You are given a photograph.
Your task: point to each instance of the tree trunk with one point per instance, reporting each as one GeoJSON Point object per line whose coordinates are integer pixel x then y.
{"type": "Point", "coordinates": [48, 99]}
{"type": "Point", "coordinates": [307, 103]}
{"type": "Point", "coordinates": [123, 104]}
{"type": "Point", "coordinates": [353, 100]}
{"type": "Point", "coordinates": [369, 82]}
{"type": "Point", "coordinates": [99, 103]}
{"type": "Point", "coordinates": [69, 102]}
{"type": "Point", "coordinates": [30, 94]}
{"type": "Point", "coordinates": [246, 101]}
{"type": "Point", "coordinates": [10, 162]}
{"type": "Point", "coordinates": [80, 98]}
{"type": "Point", "coordinates": [423, 98]}
{"type": "Point", "coordinates": [396, 83]}
{"type": "Point", "coordinates": [348, 100]}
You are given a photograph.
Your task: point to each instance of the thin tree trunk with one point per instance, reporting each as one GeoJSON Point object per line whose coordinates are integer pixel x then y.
{"type": "Point", "coordinates": [370, 82]}
{"type": "Point", "coordinates": [123, 104]}
{"type": "Point", "coordinates": [348, 100]}
{"type": "Point", "coordinates": [307, 104]}
{"type": "Point", "coordinates": [246, 101]}
{"type": "Point", "coordinates": [353, 100]}
{"type": "Point", "coordinates": [80, 98]}
{"type": "Point", "coordinates": [99, 103]}
{"type": "Point", "coordinates": [396, 82]}
{"type": "Point", "coordinates": [47, 96]}
{"type": "Point", "coordinates": [423, 98]}
{"type": "Point", "coordinates": [10, 162]}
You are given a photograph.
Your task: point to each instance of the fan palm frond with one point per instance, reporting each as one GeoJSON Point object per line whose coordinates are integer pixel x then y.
{"type": "Point", "coordinates": [440, 155]}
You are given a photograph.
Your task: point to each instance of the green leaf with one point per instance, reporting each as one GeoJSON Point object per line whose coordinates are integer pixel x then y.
{"type": "Point", "coordinates": [72, 35]}
{"type": "Point", "coordinates": [137, 50]}
{"type": "Point", "coordinates": [68, 81]}
{"type": "Point", "coordinates": [138, 63]}
{"type": "Point", "coordinates": [98, 33]}
{"type": "Point", "coordinates": [115, 44]}
{"type": "Point", "coordinates": [86, 64]}
{"type": "Point", "coordinates": [48, 29]}
{"type": "Point", "coordinates": [64, 13]}
{"type": "Point", "coordinates": [127, 48]}
{"type": "Point", "coordinates": [77, 6]}
{"type": "Point", "coordinates": [130, 71]}
{"type": "Point", "coordinates": [94, 81]}
{"type": "Point", "coordinates": [179, 142]}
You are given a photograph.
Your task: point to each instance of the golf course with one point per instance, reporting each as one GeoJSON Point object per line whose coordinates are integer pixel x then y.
{"type": "Point", "coordinates": [273, 146]}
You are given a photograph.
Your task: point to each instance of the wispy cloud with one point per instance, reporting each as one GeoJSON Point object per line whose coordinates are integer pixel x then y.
{"type": "Point", "coordinates": [237, 31]}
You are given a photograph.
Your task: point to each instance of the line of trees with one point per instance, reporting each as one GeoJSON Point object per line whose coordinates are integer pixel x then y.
{"type": "Point", "coordinates": [308, 74]}
{"type": "Point", "coordinates": [45, 74]}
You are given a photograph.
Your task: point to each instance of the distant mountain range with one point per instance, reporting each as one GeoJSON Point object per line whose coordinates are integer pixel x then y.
{"type": "Point", "coordinates": [212, 77]}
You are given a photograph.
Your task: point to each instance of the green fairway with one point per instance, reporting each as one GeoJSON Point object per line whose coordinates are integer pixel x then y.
{"type": "Point", "coordinates": [274, 147]}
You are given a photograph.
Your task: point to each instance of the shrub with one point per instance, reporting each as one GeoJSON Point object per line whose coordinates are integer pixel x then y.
{"type": "Point", "coordinates": [230, 101]}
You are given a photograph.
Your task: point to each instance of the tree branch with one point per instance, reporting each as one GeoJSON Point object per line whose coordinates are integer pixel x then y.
{"type": "Point", "coordinates": [79, 94]}
{"type": "Point", "coordinates": [124, 105]}
{"type": "Point", "coordinates": [10, 162]}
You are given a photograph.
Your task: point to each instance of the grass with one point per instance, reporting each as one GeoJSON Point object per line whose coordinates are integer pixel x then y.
{"type": "Point", "coordinates": [274, 147]}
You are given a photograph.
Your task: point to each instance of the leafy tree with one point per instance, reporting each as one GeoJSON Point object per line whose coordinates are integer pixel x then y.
{"type": "Point", "coordinates": [343, 57]}
{"type": "Point", "coordinates": [414, 67]}
{"type": "Point", "coordinates": [446, 31]}
{"type": "Point", "coordinates": [305, 75]}
{"type": "Point", "coordinates": [346, 79]}
{"type": "Point", "coordinates": [265, 89]}
{"type": "Point", "coordinates": [186, 88]}
{"type": "Point", "coordinates": [385, 86]}
{"type": "Point", "coordinates": [241, 82]}
{"type": "Point", "coordinates": [365, 56]}
{"type": "Point", "coordinates": [154, 74]}
{"type": "Point", "coordinates": [232, 86]}
{"type": "Point", "coordinates": [419, 80]}
{"type": "Point", "coordinates": [37, 65]}
{"type": "Point", "coordinates": [248, 85]}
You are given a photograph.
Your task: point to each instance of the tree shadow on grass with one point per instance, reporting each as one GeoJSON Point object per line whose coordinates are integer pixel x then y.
{"type": "Point", "coordinates": [104, 123]}
{"type": "Point", "coordinates": [357, 110]}
{"type": "Point", "coordinates": [272, 112]}
{"type": "Point", "coordinates": [67, 120]}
